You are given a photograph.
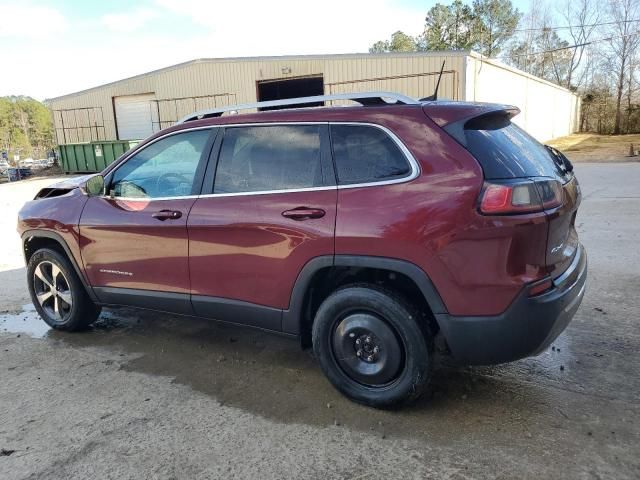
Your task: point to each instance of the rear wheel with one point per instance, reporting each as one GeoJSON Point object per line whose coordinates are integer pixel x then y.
{"type": "Point", "coordinates": [371, 347]}
{"type": "Point", "coordinates": [57, 293]}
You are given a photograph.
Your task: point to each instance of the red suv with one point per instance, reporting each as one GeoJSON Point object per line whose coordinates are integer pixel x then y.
{"type": "Point", "coordinates": [370, 232]}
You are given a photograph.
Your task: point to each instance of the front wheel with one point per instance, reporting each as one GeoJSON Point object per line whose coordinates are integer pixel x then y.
{"type": "Point", "coordinates": [371, 347]}
{"type": "Point", "coordinates": [57, 293]}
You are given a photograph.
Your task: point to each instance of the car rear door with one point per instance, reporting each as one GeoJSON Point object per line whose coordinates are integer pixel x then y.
{"type": "Point", "coordinates": [270, 209]}
{"type": "Point", "coordinates": [134, 240]}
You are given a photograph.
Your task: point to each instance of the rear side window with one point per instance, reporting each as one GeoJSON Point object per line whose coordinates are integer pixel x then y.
{"type": "Point", "coordinates": [366, 154]}
{"type": "Point", "coordinates": [265, 158]}
{"type": "Point", "coordinates": [504, 150]}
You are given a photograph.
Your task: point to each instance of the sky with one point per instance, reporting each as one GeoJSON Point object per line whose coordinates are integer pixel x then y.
{"type": "Point", "coordinates": [51, 48]}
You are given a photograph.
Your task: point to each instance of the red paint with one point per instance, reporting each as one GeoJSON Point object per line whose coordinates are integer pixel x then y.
{"type": "Point", "coordinates": [124, 246]}
{"type": "Point", "coordinates": [243, 248]}
{"type": "Point", "coordinates": [57, 214]}
{"type": "Point", "coordinates": [444, 112]}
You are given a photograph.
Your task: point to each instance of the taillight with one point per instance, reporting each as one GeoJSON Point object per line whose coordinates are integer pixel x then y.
{"type": "Point", "coordinates": [520, 196]}
{"type": "Point", "coordinates": [550, 193]}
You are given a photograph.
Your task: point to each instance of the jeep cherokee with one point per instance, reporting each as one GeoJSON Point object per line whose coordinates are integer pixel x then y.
{"type": "Point", "coordinates": [371, 233]}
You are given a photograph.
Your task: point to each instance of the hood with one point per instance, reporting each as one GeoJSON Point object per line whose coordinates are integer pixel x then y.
{"type": "Point", "coordinates": [70, 183]}
{"type": "Point", "coordinates": [63, 187]}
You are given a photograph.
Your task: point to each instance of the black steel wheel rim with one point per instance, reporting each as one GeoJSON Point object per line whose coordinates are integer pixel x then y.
{"type": "Point", "coordinates": [367, 349]}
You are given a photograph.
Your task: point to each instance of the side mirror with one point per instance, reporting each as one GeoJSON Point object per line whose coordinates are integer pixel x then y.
{"type": "Point", "coordinates": [95, 186]}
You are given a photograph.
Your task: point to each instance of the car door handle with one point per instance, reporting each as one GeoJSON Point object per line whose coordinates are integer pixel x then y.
{"type": "Point", "coordinates": [163, 215]}
{"type": "Point", "coordinates": [303, 213]}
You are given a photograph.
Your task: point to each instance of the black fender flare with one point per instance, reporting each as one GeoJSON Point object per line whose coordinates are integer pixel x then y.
{"type": "Point", "coordinates": [39, 233]}
{"type": "Point", "coordinates": [293, 316]}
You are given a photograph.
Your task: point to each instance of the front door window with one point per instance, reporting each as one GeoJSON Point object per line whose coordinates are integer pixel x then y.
{"type": "Point", "coordinates": [164, 169]}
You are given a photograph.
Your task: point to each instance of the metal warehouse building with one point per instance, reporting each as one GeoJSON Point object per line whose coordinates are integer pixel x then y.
{"type": "Point", "coordinates": [136, 107]}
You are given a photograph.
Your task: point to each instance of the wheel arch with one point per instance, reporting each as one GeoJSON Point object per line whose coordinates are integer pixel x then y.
{"type": "Point", "coordinates": [322, 275]}
{"type": "Point", "coordinates": [34, 240]}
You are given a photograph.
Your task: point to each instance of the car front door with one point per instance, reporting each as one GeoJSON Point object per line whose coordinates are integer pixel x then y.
{"type": "Point", "coordinates": [271, 209]}
{"type": "Point", "coordinates": [134, 240]}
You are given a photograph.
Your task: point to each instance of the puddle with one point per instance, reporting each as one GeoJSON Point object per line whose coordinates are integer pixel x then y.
{"type": "Point", "coordinates": [27, 322]}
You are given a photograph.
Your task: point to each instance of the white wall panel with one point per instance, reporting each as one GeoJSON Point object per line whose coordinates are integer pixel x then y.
{"type": "Point", "coordinates": [547, 110]}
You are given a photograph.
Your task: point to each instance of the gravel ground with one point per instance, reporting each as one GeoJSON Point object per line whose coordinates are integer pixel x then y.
{"type": "Point", "coordinates": [146, 395]}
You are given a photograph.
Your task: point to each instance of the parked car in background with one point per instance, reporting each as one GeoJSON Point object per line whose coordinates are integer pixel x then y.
{"type": "Point", "coordinates": [26, 163]}
{"type": "Point", "coordinates": [16, 174]}
{"type": "Point", "coordinates": [371, 233]}
{"type": "Point", "coordinates": [41, 163]}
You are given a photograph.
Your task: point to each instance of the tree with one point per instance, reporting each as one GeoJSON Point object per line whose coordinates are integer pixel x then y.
{"type": "Point", "coordinates": [484, 27]}
{"type": "Point", "coordinates": [630, 90]}
{"type": "Point", "coordinates": [400, 42]}
{"type": "Point", "coordinates": [542, 53]}
{"type": "Point", "coordinates": [495, 23]}
{"type": "Point", "coordinates": [624, 44]}
{"type": "Point", "coordinates": [582, 18]}
{"type": "Point", "coordinates": [380, 46]}
{"type": "Point", "coordinates": [25, 127]}
{"type": "Point", "coordinates": [449, 27]}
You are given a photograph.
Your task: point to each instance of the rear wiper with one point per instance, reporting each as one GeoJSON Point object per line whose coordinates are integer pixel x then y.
{"type": "Point", "coordinates": [560, 159]}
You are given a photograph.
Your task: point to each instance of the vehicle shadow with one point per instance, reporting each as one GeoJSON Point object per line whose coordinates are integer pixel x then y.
{"type": "Point", "coordinates": [271, 376]}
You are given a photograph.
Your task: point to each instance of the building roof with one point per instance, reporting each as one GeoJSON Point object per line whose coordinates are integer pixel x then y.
{"type": "Point", "coordinates": [334, 56]}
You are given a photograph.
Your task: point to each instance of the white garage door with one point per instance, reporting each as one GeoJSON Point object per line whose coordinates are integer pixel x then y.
{"type": "Point", "coordinates": [134, 116]}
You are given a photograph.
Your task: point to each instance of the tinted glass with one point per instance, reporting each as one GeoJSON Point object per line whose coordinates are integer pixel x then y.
{"type": "Point", "coordinates": [254, 159]}
{"type": "Point", "coordinates": [506, 151]}
{"type": "Point", "coordinates": [166, 168]}
{"type": "Point", "coordinates": [366, 154]}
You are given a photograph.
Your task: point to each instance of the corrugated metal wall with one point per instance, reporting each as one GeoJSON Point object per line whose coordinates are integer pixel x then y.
{"type": "Point", "coordinates": [230, 81]}
{"type": "Point", "coordinates": [547, 110]}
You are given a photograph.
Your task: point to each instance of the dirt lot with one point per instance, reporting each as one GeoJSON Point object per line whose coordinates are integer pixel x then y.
{"type": "Point", "coordinates": [144, 395]}
{"type": "Point", "coordinates": [589, 147]}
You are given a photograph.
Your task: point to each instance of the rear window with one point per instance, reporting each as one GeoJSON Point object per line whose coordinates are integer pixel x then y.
{"type": "Point", "coordinates": [504, 150]}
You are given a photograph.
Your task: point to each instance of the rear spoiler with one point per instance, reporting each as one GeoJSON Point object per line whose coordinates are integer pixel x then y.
{"type": "Point", "coordinates": [453, 116]}
{"type": "Point", "coordinates": [446, 113]}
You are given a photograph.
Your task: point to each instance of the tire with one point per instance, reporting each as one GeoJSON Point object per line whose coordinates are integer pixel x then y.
{"type": "Point", "coordinates": [70, 309]}
{"type": "Point", "coordinates": [398, 371]}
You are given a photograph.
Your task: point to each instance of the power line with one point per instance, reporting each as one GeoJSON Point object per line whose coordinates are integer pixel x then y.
{"type": "Point", "coordinates": [565, 27]}
{"type": "Point", "coordinates": [578, 45]}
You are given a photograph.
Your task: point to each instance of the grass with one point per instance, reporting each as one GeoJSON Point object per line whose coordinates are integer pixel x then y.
{"type": "Point", "coordinates": [591, 147]}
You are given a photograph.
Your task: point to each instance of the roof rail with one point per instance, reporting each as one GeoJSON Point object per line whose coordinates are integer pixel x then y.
{"type": "Point", "coordinates": [366, 98]}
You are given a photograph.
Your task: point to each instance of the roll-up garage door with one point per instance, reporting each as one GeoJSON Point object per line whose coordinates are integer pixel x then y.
{"type": "Point", "coordinates": [134, 116]}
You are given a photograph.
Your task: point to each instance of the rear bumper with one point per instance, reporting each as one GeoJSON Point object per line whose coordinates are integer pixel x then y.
{"type": "Point", "coordinates": [525, 329]}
